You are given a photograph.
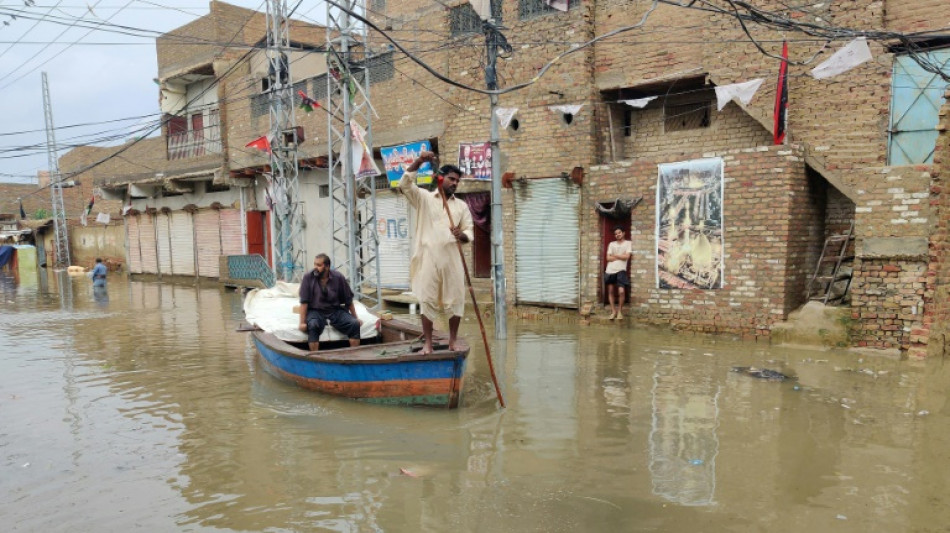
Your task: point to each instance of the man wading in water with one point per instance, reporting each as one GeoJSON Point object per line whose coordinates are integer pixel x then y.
{"type": "Point", "coordinates": [436, 271]}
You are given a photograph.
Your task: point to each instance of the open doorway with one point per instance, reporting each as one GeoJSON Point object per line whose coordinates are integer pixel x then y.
{"type": "Point", "coordinates": [607, 226]}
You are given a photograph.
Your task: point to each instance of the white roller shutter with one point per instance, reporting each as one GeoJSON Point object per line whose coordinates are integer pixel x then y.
{"type": "Point", "coordinates": [232, 241]}
{"type": "Point", "coordinates": [147, 242]}
{"type": "Point", "coordinates": [547, 249]}
{"type": "Point", "coordinates": [183, 244]}
{"type": "Point", "coordinates": [208, 242]}
{"type": "Point", "coordinates": [163, 242]}
{"type": "Point", "coordinates": [392, 222]}
{"type": "Point", "coordinates": [135, 247]}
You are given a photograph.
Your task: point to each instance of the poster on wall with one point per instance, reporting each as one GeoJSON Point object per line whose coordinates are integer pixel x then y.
{"type": "Point", "coordinates": [689, 231]}
{"type": "Point", "coordinates": [475, 160]}
{"type": "Point", "coordinates": [397, 158]}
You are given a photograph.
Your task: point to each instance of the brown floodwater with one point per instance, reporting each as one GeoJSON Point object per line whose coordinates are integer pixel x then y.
{"type": "Point", "coordinates": [142, 408]}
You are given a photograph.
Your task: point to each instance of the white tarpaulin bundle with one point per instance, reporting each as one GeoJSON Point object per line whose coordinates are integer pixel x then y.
{"type": "Point", "coordinates": [852, 55]}
{"type": "Point", "coordinates": [272, 310]}
{"type": "Point", "coordinates": [740, 91]}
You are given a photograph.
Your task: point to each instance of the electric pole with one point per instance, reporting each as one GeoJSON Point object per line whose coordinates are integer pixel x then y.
{"type": "Point", "coordinates": [355, 247]}
{"type": "Point", "coordinates": [284, 185]}
{"type": "Point", "coordinates": [55, 184]}
{"type": "Point", "coordinates": [494, 40]}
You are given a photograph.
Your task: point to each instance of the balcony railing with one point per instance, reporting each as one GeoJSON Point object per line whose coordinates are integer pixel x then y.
{"type": "Point", "coordinates": [194, 143]}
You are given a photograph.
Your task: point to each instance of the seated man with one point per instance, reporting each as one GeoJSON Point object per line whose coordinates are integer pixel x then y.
{"type": "Point", "coordinates": [325, 297]}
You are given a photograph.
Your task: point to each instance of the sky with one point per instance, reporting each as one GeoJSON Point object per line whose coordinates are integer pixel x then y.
{"type": "Point", "coordinates": [94, 76]}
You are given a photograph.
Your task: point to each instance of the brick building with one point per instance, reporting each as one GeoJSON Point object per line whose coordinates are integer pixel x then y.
{"type": "Point", "coordinates": [847, 158]}
{"type": "Point", "coordinates": [850, 157]}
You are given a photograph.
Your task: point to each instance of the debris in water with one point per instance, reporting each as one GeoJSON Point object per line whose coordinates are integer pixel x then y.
{"type": "Point", "coordinates": [923, 412]}
{"type": "Point", "coordinates": [696, 462]}
{"type": "Point", "coordinates": [407, 472]}
{"type": "Point", "coordinates": [761, 373]}
{"type": "Point", "coordinates": [841, 517]}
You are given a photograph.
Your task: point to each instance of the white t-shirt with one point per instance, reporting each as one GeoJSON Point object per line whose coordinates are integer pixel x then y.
{"type": "Point", "coordinates": [618, 248]}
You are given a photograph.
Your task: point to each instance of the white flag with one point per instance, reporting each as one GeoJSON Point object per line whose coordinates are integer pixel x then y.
{"type": "Point", "coordinates": [741, 91]}
{"type": "Point", "coordinates": [639, 103]}
{"type": "Point", "coordinates": [482, 8]}
{"type": "Point", "coordinates": [82, 219]}
{"type": "Point", "coordinates": [103, 218]}
{"type": "Point", "coordinates": [560, 5]}
{"type": "Point", "coordinates": [852, 55]}
{"type": "Point", "coordinates": [505, 114]}
{"type": "Point", "coordinates": [566, 109]}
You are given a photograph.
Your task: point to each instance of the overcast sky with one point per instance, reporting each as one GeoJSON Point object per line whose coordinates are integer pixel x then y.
{"type": "Point", "coordinates": [90, 81]}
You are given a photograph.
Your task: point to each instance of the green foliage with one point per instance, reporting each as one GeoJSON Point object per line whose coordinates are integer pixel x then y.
{"type": "Point", "coordinates": [41, 213]}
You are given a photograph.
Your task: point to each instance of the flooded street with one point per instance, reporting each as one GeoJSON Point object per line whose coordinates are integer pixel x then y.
{"type": "Point", "coordinates": [143, 408]}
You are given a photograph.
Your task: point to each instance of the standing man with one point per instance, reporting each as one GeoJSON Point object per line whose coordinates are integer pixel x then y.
{"type": "Point", "coordinates": [99, 274]}
{"type": "Point", "coordinates": [615, 276]}
{"type": "Point", "coordinates": [436, 271]}
{"type": "Point", "coordinates": [325, 297]}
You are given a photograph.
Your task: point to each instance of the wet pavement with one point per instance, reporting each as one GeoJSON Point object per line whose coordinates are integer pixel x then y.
{"type": "Point", "coordinates": [141, 407]}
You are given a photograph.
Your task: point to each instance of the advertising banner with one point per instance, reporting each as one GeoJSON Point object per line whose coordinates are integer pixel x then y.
{"type": "Point", "coordinates": [397, 158]}
{"type": "Point", "coordinates": [475, 160]}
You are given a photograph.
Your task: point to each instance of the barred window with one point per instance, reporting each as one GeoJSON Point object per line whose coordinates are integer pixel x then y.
{"type": "Point", "coordinates": [377, 5]}
{"type": "Point", "coordinates": [380, 67]}
{"type": "Point", "coordinates": [318, 87]}
{"type": "Point", "coordinates": [260, 105]}
{"type": "Point", "coordinates": [690, 116]}
{"type": "Point", "coordinates": [463, 19]}
{"type": "Point", "coordinates": [529, 9]}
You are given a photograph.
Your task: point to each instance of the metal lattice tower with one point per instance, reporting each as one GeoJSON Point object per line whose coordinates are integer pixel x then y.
{"type": "Point", "coordinates": [55, 184]}
{"type": "Point", "coordinates": [288, 222]}
{"type": "Point", "coordinates": [353, 199]}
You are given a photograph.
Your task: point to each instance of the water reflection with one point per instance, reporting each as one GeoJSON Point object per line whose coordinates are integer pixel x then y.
{"type": "Point", "coordinates": [149, 410]}
{"type": "Point", "coordinates": [683, 440]}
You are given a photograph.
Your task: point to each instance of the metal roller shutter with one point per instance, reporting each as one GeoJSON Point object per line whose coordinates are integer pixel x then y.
{"type": "Point", "coordinates": [392, 220]}
{"type": "Point", "coordinates": [232, 240]}
{"type": "Point", "coordinates": [208, 242]}
{"type": "Point", "coordinates": [135, 247]}
{"type": "Point", "coordinates": [163, 242]}
{"type": "Point", "coordinates": [547, 245]}
{"type": "Point", "coordinates": [183, 244]}
{"type": "Point", "coordinates": [147, 241]}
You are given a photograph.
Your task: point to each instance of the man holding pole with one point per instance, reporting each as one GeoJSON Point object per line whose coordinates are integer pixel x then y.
{"type": "Point", "coordinates": [436, 272]}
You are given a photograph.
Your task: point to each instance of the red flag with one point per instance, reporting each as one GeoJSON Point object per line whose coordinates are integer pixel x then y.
{"type": "Point", "coordinates": [781, 99]}
{"type": "Point", "coordinates": [261, 143]}
{"type": "Point", "coordinates": [306, 103]}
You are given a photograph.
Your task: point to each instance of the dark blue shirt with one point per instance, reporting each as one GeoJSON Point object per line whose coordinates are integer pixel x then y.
{"type": "Point", "coordinates": [336, 294]}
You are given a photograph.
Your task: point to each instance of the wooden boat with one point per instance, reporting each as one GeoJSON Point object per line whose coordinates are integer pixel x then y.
{"type": "Point", "coordinates": [388, 369]}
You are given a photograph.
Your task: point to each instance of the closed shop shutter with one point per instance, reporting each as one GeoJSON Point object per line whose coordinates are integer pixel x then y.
{"type": "Point", "coordinates": [183, 244]}
{"type": "Point", "coordinates": [163, 242]}
{"type": "Point", "coordinates": [392, 221]}
{"type": "Point", "coordinates": [147, 241]}
{"type": "Point", "coordinates": [547, 247]}
{"type": "Point", "coordinates": [135, 248]}
{"type": "Point", "coordinates": [208, 242]}
{"type": "Point", "coordinates": [232, 240]}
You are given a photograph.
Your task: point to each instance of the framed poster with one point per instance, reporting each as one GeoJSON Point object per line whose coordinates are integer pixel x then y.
{"type": "Point", "coordinates": [689, 230]}
{"type": "Point", "coordinates": [475, 160]}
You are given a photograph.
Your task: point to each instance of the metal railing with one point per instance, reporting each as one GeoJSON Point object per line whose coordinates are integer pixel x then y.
{"type": "Point", "coordinates": [194, 143]}
{"type": "Point", "coordinates": [249, 268]}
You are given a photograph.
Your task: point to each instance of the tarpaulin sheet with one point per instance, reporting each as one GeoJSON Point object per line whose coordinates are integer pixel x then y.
{"type": "Point", "coordinates": [6, 255]}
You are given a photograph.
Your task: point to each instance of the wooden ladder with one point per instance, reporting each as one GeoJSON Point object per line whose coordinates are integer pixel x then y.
{"type": "Point", "coordinates": [833, 254]}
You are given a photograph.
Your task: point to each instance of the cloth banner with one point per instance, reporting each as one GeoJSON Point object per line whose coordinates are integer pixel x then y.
{"type": "Point", "coordinates": [362, 156]}
{"type": "Point", "coordinates": [852, 55]}
{"type": "Point", "coordinates": [479, 204]}
{"type": "Point", "coordinates": [397, 158]}
{"type": "Point", "coordinates": [639, 103]}
{"type": "Point", "coordinates": [566, 109]}
{"type": "Point", "coordinates": [560, 5]}
{"type": "Point", "coordinates": [475, 160]}
{"type": "Point", "coordinates": [482, 8]}
{"type": "Point", "coordinates": [505, 114]}
{"type": "Point", "coordinates": [83, 220]}
{"type": "Point", "coordinates": [103, 218]}
{"type": "Point", "coordinates": [741, 91]}
{"type": "Point", "coordinates": [781, 100]}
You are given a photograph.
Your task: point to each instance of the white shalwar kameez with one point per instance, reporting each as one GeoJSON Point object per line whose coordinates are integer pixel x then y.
{"type": "Point", "coordinates": [435, 272]}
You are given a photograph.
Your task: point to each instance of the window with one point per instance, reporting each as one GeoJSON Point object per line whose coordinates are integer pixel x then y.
{"type": "Point", "coordinates": [324, 191]}
{"type": "Point", "coordinates": [380, 67]}
{"type": "Point", "coordinates": [377, 5]}
{"type": "Point", "coordinates": [916, 98]}
{"type": "Point", "coordinates": [689, 116]}
{"type": "Point", "coordinates": [529, 9]}
{"type": "Point", "coordinates": [463, 19]}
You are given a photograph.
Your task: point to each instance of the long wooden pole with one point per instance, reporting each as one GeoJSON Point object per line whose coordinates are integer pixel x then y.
{"type": "Point", "coordinates": [471, 291]}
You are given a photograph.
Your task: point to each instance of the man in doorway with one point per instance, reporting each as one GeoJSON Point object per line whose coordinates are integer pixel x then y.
{"type": "Point", "coordinates": [436, 272]}
{"type": "Point", "coordinates": [615, 275]}
{"type": "Point", "coordinates": [325, 298]}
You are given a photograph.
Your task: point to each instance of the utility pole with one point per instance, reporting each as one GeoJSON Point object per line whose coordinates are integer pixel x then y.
{"type": "Point", "coordinates": [355, 248]}
{"type": "Point", "coordinates": [288, 222]}
{"type": "Point", "coordinates": [493, 41]}
{"type": "Point", "coordinates": [55, 184]}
